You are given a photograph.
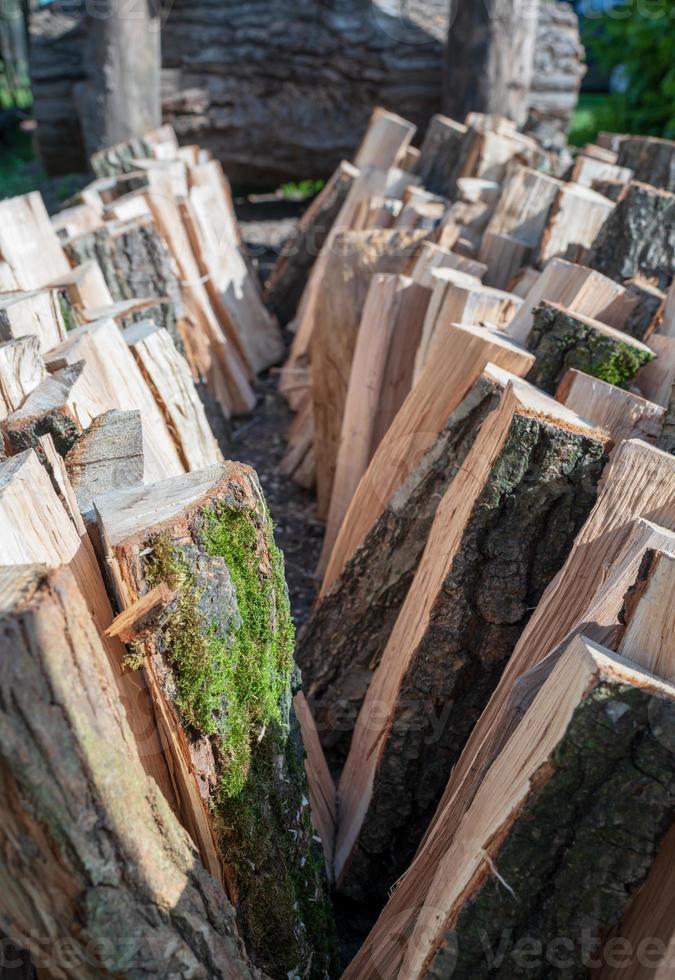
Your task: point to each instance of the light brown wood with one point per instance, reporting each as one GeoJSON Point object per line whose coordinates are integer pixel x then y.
{"type": "Point", "coordinates": [36, 313]}
{"type": "Point", "coordinates": [386, 141]}
{"type": "Point", "coordinates": [84, 286]}
{"type": "Point", "coordinates": [581, 290]}
{"type": "Point", "coordinates": [459, 357]}
{"type": "Point", "coordinates": [655, 380]}
{"type": "Point", "coordinates": [647, 639]}
{"type": "Point", "coordinates": [597, 612]}
{"type": "Point", "coordinates": [363, 783]}
{"type": "Point", "coordinates": [577, 215]}
{"type": "Point", "coordinates": [355, 258]}
{"type": "Point", "coordinates": [215, 353]}
{"type": "Point", "coordinates": [132, 622]}
{"type": "Point", "coordinates": [458, 300]}
{"type": "Point", "coordinates": [76, 220]}
{"type": "Point", "coordinates": [167, 374]}
{"type": "Point", "coordinates": [319, 780]}
{"type": "Point", "coordinates": [504, 257]}
{"type": "Point", "coordinates": [35, 529]}
{"type": "Point", "coordinates": [588, 168]}
{"type": "Point", "coordinates": [380, 379]}
{"type": "Point", "coordinates": [28, 242]}
{"type": "Point", "coordinates": [117, 381]}
{"type": "Point", "coordinates": [623, 414]}
{"type": "Point", "coordinates": [22, 369]}
{"type": "Point", "coordinates": [520, 770]}
{"type": "Point", "coordinates": [524, 206]}
{"type": "Point", "coordinates": [668, 323]}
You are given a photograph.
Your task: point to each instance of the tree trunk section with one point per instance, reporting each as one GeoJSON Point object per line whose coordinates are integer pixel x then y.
{"type": "Point", "coordinates": [489, 58]}
{"type": "Point", "coordinates": [120, 98]}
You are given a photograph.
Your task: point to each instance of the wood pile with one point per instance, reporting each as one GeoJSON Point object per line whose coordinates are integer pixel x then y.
{"type": "Point", "coordinates": [478, 763]}
{"type": "Point", "coordinates": [155, 806]}
{"type": "Point", "coordinates": [484, 405]}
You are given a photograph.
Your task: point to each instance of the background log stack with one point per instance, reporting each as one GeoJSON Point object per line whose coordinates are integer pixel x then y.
{"type": "Point", "coordinates": [479, 757]}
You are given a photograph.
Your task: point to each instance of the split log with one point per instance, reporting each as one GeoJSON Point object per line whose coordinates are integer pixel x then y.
{"type": "Point", "coordinates": [611, 189]}
{"type": "Point", "coordinates": [459, 358]}
{"type": "Point", "coordinates": [614, 564]}
{"type": "Point", "coordinates": [355, 257]}
{"type": "Point", "coordinates": [35, 527]}
{"type": "Point", "coordinates": [525, 204]}
{"type": "Point", "coordinates": [230, 284]}
{"type": "Point", "coordinates": [28, 243]}
{"type": "Point", "coordinates": [504, 257]}
{"type": "Point", "coordinates": [220, 671]}
{"type": "Point", "coordinates": [76, 220]}
{"type": "Point", "coordinates": [571, 762]}
{"type": "Point", "coordinates": [114, 376]}
{"type": "Point", "coordinates": [651, 159]}
{"type": "Point", "coordinates": [359, 610]}
{"type": "Point", "coordinates": [432, 257]}
{"type": "Point", "coordinates": [588, 169]}
{"type": "Point", "coordinates": [489, 59]}
{"type": "Point", "coordinates": [215, 351]}
{"type": "Point", "coordinates": [131, 894]}
{"type": "Point", "coordinates": [385, 142]}
{"type": "Point", "coordinates": [167, 374]}
{"type": "Point", "coordinates": [638, 238]}
{"type": "Point", "coordinates": [574, 221]}
{"type": "Point", "coordinates": [37, 313]}
{"type": "Point", "coordinates": [107, 457]}
{"type": "Point", "coordinates": [21, 371]}
{"type": "Point", "coordinates": [500, 534]}
{"type": "Point", "coordinates": [84, 287]}
{"type": "Point", "coordinates": [62, 405]}
{"type": "Point", "coordinates": [135, 262]}
{"type": "Point", "coordinates": [128, 312]}
{"type": "Point", "coordinates": [648, 309]}
{"type": "Point", "coordinates": [561, 339]}
{"type": "Point", "coordinates": [579, 289]}
{"type": "Point", "coordinates": [623, 414]}
{"type": "Point", "coordinates": [300, 250]}
{"type": "Point", "coordinates": [456, 300]}
{"type": "Point", "coordinates": [656, 379]}
{"type": "Point", "coordinates": [522, 282]}
{"type": "Point", "coordinates": [380, 379]}
{"type": "Point", "coordinates": [442, 155]}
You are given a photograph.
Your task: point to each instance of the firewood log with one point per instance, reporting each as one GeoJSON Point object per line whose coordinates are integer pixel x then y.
{"type": "Point", "coordinates": [588, 169]}
{"type": "Point", "coordinates": [638, 237]}
{"type": "Point", "coordinates": [561, 339]}
{"type": "Point", "coordinates": [590, 771]}
{"type": "Point", "coordinates": [385, 141]}
{"type": "Point", "coordinates": [220, 668]}
{"type": "Point", "coordinates": [28, 243]}
{"type": "Point", "coordinates": [167, 374]}
{"type": "Point", "coordinates": [36, 313]}
{"type": "Point", "coordinates": [623, 414]}
{"type": "Point", "coordinates": [524, 207]}
{"type": "Point", "coordinates": [575, 219]}
{"type": "Point", "coordinates": [130, 894]}
{"type": "Point", "coordinates": [459, 358]}
{"type": "Point", "coordinates": [501, 532]}
{"type": "Point", "coordinates": [22, 369]}
{"type": "Point", "coordinates": [442, 155]}
{"type": "Point", "coordinates": [651, 159]}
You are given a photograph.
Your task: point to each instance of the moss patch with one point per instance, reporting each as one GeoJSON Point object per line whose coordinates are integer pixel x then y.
{"type": "Point", "coordinates": [229, 684]}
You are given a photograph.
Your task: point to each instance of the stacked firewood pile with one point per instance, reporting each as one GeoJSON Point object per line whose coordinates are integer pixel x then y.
{"type": "Point", "coordinates": [483, 749]}
{"type": "Point", "coordinates": [482, 371]}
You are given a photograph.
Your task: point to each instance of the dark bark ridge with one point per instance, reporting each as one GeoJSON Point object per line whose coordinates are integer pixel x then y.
{"type": "Point", "coordinates": [539, 493]}
{"type": "Point", "coordinates": [582, 845]}
{"type": "Point", "coordinates": [359, 612]}
{"type": "Point", "coordinates": [638, 237]}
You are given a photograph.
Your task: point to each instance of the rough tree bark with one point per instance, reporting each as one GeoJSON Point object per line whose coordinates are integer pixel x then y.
{"type": "Point", "coordinates": [129, 897]}
{"type": "Point", "coordinates": [120, 98]}
{"type": "Point", "coordinates": [489, 58]}
{"type": "Point", "coordinates": [360, 610]}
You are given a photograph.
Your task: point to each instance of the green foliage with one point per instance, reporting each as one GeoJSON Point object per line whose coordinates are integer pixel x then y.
{"type": "Point", "coordinates": [596, 112]}
{"type": "Point", "coordinates": [229, 686]}
{"type": "Point", "coordinates": [639, 38]}
{"type": "Point", "coordinates": [301, 189]}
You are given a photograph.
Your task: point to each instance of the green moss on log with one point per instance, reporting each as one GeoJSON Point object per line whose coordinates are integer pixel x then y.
{"type": "Point", "coordinates": [560, 341]}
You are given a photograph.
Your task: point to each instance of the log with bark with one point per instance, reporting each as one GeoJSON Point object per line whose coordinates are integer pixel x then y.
{"type": "Point", "coordinates": [652, 160]}
{"type": "Point", "coordinates": [561, 339]}
{"type": "Point", "coordinates": [459, 358]}
{"type": "Point", "coordinates": [589, 751]}
{"type": "Point", "coordinates": [361, 607]}
{"type": "Point", "coordinates": [638, 238]}
{"type": "Point", "coordinates": [220, 669]}
{"type": "Point", "coordinates": [131, 896]}
{"type": "Point", "coordinates": [501, 532]}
